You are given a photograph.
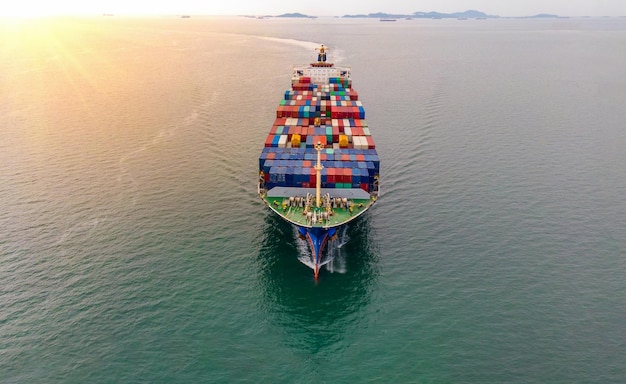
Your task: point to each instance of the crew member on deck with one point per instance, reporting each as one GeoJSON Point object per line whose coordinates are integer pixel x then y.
{"type": "Point", "coordinates": [321, 56]}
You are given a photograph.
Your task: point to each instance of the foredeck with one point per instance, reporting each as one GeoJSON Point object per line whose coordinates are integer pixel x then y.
{"type": "Point", "coordinates": [355, 202]}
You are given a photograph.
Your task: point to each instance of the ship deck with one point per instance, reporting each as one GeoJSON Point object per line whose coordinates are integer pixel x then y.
{"type": "Point", "coordinates": [359, 201]}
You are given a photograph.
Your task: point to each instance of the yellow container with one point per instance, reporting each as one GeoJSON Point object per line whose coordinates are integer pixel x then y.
{"type": "Point", "coordinates": [343, 141]}
{"type": "Point", "coordinates": [295, 140]}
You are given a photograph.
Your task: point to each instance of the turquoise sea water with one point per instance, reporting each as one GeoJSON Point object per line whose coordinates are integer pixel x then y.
{"type": "Point", "coordinates": [134, 248]}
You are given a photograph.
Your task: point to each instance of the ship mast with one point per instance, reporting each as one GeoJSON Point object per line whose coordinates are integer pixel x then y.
{"type": "Point", "coordinates": [318, 168]}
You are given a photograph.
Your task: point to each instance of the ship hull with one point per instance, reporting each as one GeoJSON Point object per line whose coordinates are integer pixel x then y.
{"type": "Point", "coordinates": [318, 239]}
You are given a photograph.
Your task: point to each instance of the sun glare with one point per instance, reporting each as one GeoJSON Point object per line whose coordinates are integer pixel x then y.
{"type": "Point", "coordinates": [22, 9]}
{"type": "Point", "coordinates": [26, 8]}
{"type": "Point", "coordinates": [38, 8]}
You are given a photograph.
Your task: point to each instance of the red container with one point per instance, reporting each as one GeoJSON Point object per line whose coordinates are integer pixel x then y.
{"type": "Point", "coordinates": [370, 142]}
{"type": "Point", "coordinates": [365, 187]}
{"type": "Point", "coordinates": [335, 134]}
{"type": "Point", "coordinates": [347, 175]}
{"type": "Point", "coordinates": [331, 175]}
{"type": "Point", "coordinates": [341, 175]}
{"type": "Point", "coordinates": [320, 139]}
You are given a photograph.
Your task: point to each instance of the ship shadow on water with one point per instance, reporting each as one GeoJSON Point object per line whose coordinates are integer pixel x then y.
{"type": "Point", "coordinates": [315, 314]}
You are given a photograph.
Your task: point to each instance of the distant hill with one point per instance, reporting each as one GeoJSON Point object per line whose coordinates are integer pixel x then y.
{"type": "Point", "coordinates": [469, 14]}
{"type": "Point", "coordinates": [296, 15]}
{"type": "Point", "coordinates": [428, 15]}
{"type": "Point", "coordinates": [544, 16]}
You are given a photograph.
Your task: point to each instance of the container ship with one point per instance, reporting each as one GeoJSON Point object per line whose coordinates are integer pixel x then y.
{"type": "Point", "coordinates": [319, 168]}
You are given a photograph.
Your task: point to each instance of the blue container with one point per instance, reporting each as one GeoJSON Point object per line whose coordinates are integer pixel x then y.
{"type": "Point", "coordinates": [303, 175]}
{"type": "Point", "coordinates": [356, 178]}
{"type": "Point", "coordinates": [282, 172]}
{"type": "Point", "coordinates": [273, 173]}
{"type": "Point", "coordinates": [324, 175]}
{"type": "Point", "coordinates": [289, 171]}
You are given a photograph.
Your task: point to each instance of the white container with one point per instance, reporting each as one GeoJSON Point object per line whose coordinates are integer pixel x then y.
{"type": "Point", "coordinates": [282, 142]}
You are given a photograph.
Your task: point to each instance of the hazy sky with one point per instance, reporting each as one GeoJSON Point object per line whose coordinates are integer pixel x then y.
{"type": "Point", "coordinates": [314, 7]}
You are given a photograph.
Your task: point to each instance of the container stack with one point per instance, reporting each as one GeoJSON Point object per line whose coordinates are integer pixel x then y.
{"type": "Point", "coordinates": [330, 114]}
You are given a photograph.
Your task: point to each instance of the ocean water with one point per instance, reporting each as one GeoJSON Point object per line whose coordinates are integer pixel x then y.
{"type": "Point", "coordinates": [133, 247]}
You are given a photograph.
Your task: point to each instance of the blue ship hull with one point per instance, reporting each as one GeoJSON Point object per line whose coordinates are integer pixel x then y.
{"type": "Point", "coordinates": [317, 238]}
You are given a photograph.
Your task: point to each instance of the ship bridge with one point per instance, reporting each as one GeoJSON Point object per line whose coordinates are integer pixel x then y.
{"type": "Point", "coordinates": [320, 74]}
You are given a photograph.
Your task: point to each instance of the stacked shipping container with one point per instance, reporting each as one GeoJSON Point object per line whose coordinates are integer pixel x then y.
{"type": "Point", "coordinates": [330, 114]}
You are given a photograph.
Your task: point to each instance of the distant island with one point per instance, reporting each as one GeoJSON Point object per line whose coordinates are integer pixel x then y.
{"type": "Point", "coordinates": [469, 14]}
{"type": "Point", "coordinates": [284, 15]}
{"type": "Point", "coordinates": [545, 16]}
{"type": "Point", "coordinates": [297, 15]}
